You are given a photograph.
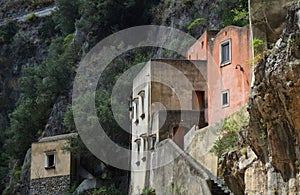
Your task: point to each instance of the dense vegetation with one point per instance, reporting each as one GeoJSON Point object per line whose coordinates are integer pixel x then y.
{"type": "Point", "coordinates": [42, 84]}
{"type": "Point", "coordinates": [237, 13]}
{"type": "Point", "coordinates": [233, 127]}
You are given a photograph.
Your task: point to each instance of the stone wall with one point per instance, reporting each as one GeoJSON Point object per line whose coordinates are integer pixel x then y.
{"type": "Point", "coordinates": [184, 175]}
{"type": "Point", "coordinates": [198, 142]}
{"type": "Point", "coordinates": [50, 185]}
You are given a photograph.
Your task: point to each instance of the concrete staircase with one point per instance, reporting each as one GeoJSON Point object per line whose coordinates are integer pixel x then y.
{"type": "Point", "coordinates": [219, 187]}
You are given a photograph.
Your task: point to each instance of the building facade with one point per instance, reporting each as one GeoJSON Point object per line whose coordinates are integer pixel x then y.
{"type": "Point", "coordinates": [170, 97]}
{"type": "Point", "coordinates": [53, 169]}
{"type": "Point", "coordinates": [163, 108]}
{"type": "Point", "coordinates": [228, 54]}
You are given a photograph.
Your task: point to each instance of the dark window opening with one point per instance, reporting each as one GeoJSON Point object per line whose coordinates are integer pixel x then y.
{"type": "Point", "coordinates": [225, 52]}
{"type": "Point", "coordinates": [225, 98]}
{"type": "Point", "coordinates": [51, 160]}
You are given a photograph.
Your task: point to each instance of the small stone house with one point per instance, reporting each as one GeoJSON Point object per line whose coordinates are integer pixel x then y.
{"type": "Point", "coordinates": [53, 168]}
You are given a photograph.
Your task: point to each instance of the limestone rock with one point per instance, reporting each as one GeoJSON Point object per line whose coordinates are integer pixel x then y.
{"type": "Point", "coordinates": [56, 119]}
{"type": "Point", "coordinates": [274, 123]}
{"type": "Point", "coordinates": [25, 174]}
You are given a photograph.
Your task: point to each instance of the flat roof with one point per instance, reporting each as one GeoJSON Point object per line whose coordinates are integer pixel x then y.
{"type": "Point", "coordinates": [57, 137]}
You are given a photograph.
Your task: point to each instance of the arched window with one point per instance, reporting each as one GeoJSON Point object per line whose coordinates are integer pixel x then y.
{"type": "Point", "coordinates": [141, 107]}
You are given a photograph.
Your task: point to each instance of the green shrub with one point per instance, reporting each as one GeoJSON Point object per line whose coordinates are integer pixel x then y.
{"type": "Point", "coordinates": [8, 31]}
{"type": "Point", "coordinates": [194, 23]}
{"type": "Point", "coordinates": [148, 191]}
{"type": "Point", "coordinates": [41, 86]}
{"type": "Point", "coordinates": [228, 139]}
{"type": "Point", "coordinates": [258, 45]}
{"type": "Point", "coordinates": [66, 15]}
{"type": "Point", "coordinates": [47, 30]}
{"type": "Point", "coordinates": [17, 174]}
{"type": "Point", "coordinates": [110, 190]}
{"type": "Point", "coordinates": [7, 191]}
{"type": "Point", "coordinates": [72, 188]}
{"type": "Point", "coordinates": [31, 17]}
{"type": "Point", "coordinates": [233, 12]}
{"type": "Point", "coordinates": [68, 39]}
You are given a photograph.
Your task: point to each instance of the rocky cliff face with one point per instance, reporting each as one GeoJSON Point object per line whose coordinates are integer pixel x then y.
{"type": "Point", "coordinates": [267, 24]}
{"type": "Point", "coordinates": [274, 128]}
{"type": "Point", "coordinates": [10, 9]}
{"type": "Point", "coordinates": [274, 131]}
{"type": "Point", "coordinates": [181, 13]}
{"type": "Point", "coordinates": [21, 47]}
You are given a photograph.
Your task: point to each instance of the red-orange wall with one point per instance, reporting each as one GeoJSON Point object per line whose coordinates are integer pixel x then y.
{"type": "Point", "coordinates": [226, 77]}
{"type": "Point", "coordinates": [197, 52]}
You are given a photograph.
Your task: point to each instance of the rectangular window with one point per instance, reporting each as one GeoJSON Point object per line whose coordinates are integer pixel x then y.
{"type": "Point", "coordinates": [225, 52]}
{"type": "Point", "coordinates": [50, 160]}
{"type": "Point", "coordinates": [225, 98]}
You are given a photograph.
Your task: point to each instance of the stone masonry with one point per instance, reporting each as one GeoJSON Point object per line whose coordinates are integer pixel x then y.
{"type": "Point", "coordinates": [50, 185]}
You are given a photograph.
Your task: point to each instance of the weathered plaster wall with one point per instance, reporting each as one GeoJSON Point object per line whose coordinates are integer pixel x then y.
{"type": "Point", "coordinates": [199, 51]}
{"type": "Point", "coordinates": [140, 83]}
{"type": "Point", "coordinates": [161, 79]}
{"type": "Point", "coordinates": [198, 142]}
{"type": "Point", "coordinates": [173, 82]}
{"type": "Point", "coordinates": [229, 77]}
{"type": "Point", "coordinates": [62, 161]}
{"type": "Point", "coordinates": [184, 175]}
{"type": "Point", "coordinates": [165, 121]}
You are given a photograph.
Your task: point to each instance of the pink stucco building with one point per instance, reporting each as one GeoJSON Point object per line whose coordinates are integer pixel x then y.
{"type": "Point", "coordinates": [228, 54]}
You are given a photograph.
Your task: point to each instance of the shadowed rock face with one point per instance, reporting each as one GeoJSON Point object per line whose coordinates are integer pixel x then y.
{"type": "Point", "coordinates": [274, 130]}
{"type": "Point", "coordinates": [268, 18]}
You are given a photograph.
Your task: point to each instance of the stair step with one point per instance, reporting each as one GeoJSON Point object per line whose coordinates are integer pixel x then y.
{"type": "Point", "coordinates": [219, 188]}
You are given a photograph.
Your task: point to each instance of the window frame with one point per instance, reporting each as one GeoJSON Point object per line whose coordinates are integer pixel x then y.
{"type": "Point", "coordinates": [228, 98]}
{"type": "Point", "coordinates": [224, 63]}
{"type": "Point", "coordinates": [47, 155]}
